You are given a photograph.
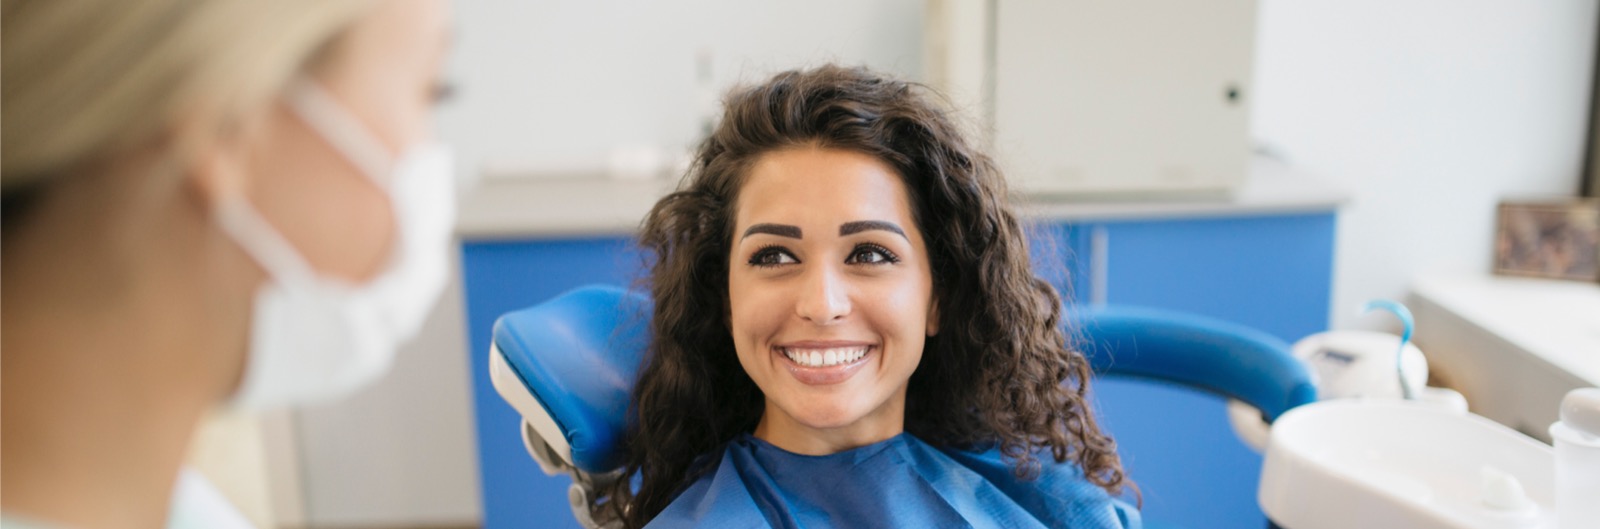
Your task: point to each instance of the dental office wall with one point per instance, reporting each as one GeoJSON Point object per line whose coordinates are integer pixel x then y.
{"type": "Point", "coordinates": [1428, 112]}
{"type": "Point", "coordinates": [1425, 111]}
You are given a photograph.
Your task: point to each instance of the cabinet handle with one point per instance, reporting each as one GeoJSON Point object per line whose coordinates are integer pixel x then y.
{"type": "Point", "coordinates": [1099, 258]}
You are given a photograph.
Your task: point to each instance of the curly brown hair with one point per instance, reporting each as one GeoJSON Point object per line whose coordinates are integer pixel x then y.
{"type": "Point", "coordinates": [999, 372]}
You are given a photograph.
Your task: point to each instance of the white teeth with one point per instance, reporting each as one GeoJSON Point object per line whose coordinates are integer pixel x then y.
{"type": "Point", "coordinates": [825, 357]}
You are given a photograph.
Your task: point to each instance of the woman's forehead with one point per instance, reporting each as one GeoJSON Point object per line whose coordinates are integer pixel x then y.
{"type": "Point", "coordinates": [820, 186]}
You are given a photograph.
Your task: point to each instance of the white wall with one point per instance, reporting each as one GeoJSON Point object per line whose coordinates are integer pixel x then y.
{"type": "Point", "coordinates": [400, 453]}
{"type": "Point", "coordinates": [1427, 112]}
{"type": "Point", "coordinates": [554, 85]}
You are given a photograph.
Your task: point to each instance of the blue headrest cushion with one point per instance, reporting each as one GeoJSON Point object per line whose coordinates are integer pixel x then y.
{"type": "Point", "coordinates": [579, 355]}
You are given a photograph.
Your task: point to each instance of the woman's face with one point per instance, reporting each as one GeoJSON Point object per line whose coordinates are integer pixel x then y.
{"type": "Point", "coordinates": [830, 297]}
{"type": "Point", "coordinates": [385, 70]}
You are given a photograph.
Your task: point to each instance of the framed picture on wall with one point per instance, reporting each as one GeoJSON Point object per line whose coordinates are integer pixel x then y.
{"type": "Point", "coordinates": [1557, 239]}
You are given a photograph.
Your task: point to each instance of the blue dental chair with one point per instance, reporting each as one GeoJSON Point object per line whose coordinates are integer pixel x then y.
{"type": "Point", "coordinates": [567, 366]}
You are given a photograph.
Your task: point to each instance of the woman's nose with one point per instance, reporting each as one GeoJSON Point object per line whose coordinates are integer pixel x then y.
{"type": "Point", "coordinates": [824, 297]}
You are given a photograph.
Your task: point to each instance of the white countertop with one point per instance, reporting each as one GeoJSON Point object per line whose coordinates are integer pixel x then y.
{"type": "Point", "coordinates": [1550, 321]}
{"type": "Point", "coordinates": [590, 205]}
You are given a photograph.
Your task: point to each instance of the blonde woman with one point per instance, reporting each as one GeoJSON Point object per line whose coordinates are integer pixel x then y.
{"type": "Point", "coordinates": [222, 202]}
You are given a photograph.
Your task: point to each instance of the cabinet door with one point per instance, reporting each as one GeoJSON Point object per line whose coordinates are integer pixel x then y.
{"type": "Point", "coordinates": [1273, 273]}
{"type": "Point", "coordinates": [1064, 255]}
{"type": "Point", "coordinates": [505, 276]}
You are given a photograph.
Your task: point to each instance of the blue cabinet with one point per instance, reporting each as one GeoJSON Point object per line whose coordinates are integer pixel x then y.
{"type": "Point", "coordinates": [502, 276]}
{"type": "Point", "coordinates": [1272, 272]}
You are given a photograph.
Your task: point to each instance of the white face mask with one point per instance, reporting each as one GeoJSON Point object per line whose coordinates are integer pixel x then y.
{"type": "Point", "coordinates": [316, 337]}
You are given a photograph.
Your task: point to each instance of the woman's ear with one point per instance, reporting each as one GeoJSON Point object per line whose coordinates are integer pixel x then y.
{"type": "Point", "coordinates": [215, 174]}
{"type": "Point", "coordinates": [933, 316]}
{"type": "Point", "coordinates": [218, 168]}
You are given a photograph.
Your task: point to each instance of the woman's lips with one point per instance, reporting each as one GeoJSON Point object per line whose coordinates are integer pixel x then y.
{"type": "Point", "coordinates": [824, 363]}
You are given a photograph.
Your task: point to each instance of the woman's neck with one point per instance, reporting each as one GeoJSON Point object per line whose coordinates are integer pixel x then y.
{"type": "Point", "coordinates": [116, 340]}
{"type": "Point", "coordinates": [783, 431]}
{"type": "Point", "coordinates": [82, 448]}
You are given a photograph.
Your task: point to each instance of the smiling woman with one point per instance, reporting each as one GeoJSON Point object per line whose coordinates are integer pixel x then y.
{"type": "Point", "coordinates": [848, 332]}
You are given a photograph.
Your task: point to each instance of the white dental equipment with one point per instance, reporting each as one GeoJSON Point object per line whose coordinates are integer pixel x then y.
{"type": "Point", "coordinates": [1367, 456]}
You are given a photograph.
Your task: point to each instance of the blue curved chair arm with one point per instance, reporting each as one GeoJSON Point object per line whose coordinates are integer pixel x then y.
{"type": "Point", "coordinates": [1226, 358]}
{"type": "Point", "coordinates": [568, 363]}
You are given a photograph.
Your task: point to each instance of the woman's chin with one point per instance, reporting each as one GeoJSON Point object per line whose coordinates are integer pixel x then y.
{"type": "Point", "coordinates": [826, 415]}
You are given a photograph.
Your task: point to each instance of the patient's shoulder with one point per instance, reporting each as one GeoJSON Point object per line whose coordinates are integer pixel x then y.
{"type": "Point", "coordinates": [1059, 492]}
{"type": "Point", "coordinates": [717, 499]}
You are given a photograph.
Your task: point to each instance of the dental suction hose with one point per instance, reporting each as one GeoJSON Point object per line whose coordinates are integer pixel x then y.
{"type": "Point", "coordinates": [1404, 315]}
{"type": "Point", "coordinates": [1577, 450]}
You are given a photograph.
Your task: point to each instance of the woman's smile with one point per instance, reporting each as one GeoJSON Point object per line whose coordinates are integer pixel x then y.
{"type": "Point", "coordinates": [818, 363]}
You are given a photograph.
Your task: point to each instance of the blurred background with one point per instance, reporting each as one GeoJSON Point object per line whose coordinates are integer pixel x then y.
{"type": "Point", "coordinates": [1272, 162]}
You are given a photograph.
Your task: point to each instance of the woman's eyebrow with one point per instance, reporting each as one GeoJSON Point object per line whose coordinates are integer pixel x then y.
{"type": "Point", "coordinates": [781, 230]}
{"type": "Point", "coordinates": [859, 226]}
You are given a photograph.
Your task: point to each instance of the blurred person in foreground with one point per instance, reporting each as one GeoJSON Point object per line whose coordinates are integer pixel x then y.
{"type": "Point", "coordinates": [206, 203]}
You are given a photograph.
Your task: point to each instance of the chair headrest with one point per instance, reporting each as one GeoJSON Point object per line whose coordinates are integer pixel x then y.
{"type": "Point", "coordinates": [577, 356]}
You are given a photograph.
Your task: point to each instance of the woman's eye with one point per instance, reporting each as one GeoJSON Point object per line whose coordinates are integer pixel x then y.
{"type": "Point", "coordinates": [772, 256]}
{"type": "Point", "coordinates": [872, 254]}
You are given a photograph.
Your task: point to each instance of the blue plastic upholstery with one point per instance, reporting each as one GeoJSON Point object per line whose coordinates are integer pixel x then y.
{"type": "Point", "coordinates": [1226, 358]}
{"type": "Point", "coordinates": [579, 355]}
{"type": "Point", "coordinates": [580, 352]}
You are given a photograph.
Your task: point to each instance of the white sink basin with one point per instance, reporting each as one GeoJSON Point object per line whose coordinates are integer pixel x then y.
{"type": "Point", "coordinates": [1370, 463]}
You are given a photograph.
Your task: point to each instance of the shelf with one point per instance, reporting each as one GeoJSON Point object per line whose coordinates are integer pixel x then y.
{"type": "Point", "coordinates": [580, 206]}
{"type": "Point", "coordinates": [1513, 346]}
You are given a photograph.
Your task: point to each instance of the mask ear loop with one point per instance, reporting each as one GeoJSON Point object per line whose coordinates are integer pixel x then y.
{"type": "Point", "coordinates": [342, 129]}
{"type": "Point", "coordinates": [1404, 314]}
{"type": "Point", "coordinates": [262, 242]}
{"type": "Point", "coordinates": [346, 134]}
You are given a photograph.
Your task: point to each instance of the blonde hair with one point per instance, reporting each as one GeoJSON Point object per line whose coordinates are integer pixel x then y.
{"type": "Point", "coordinates": [84, 80]}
